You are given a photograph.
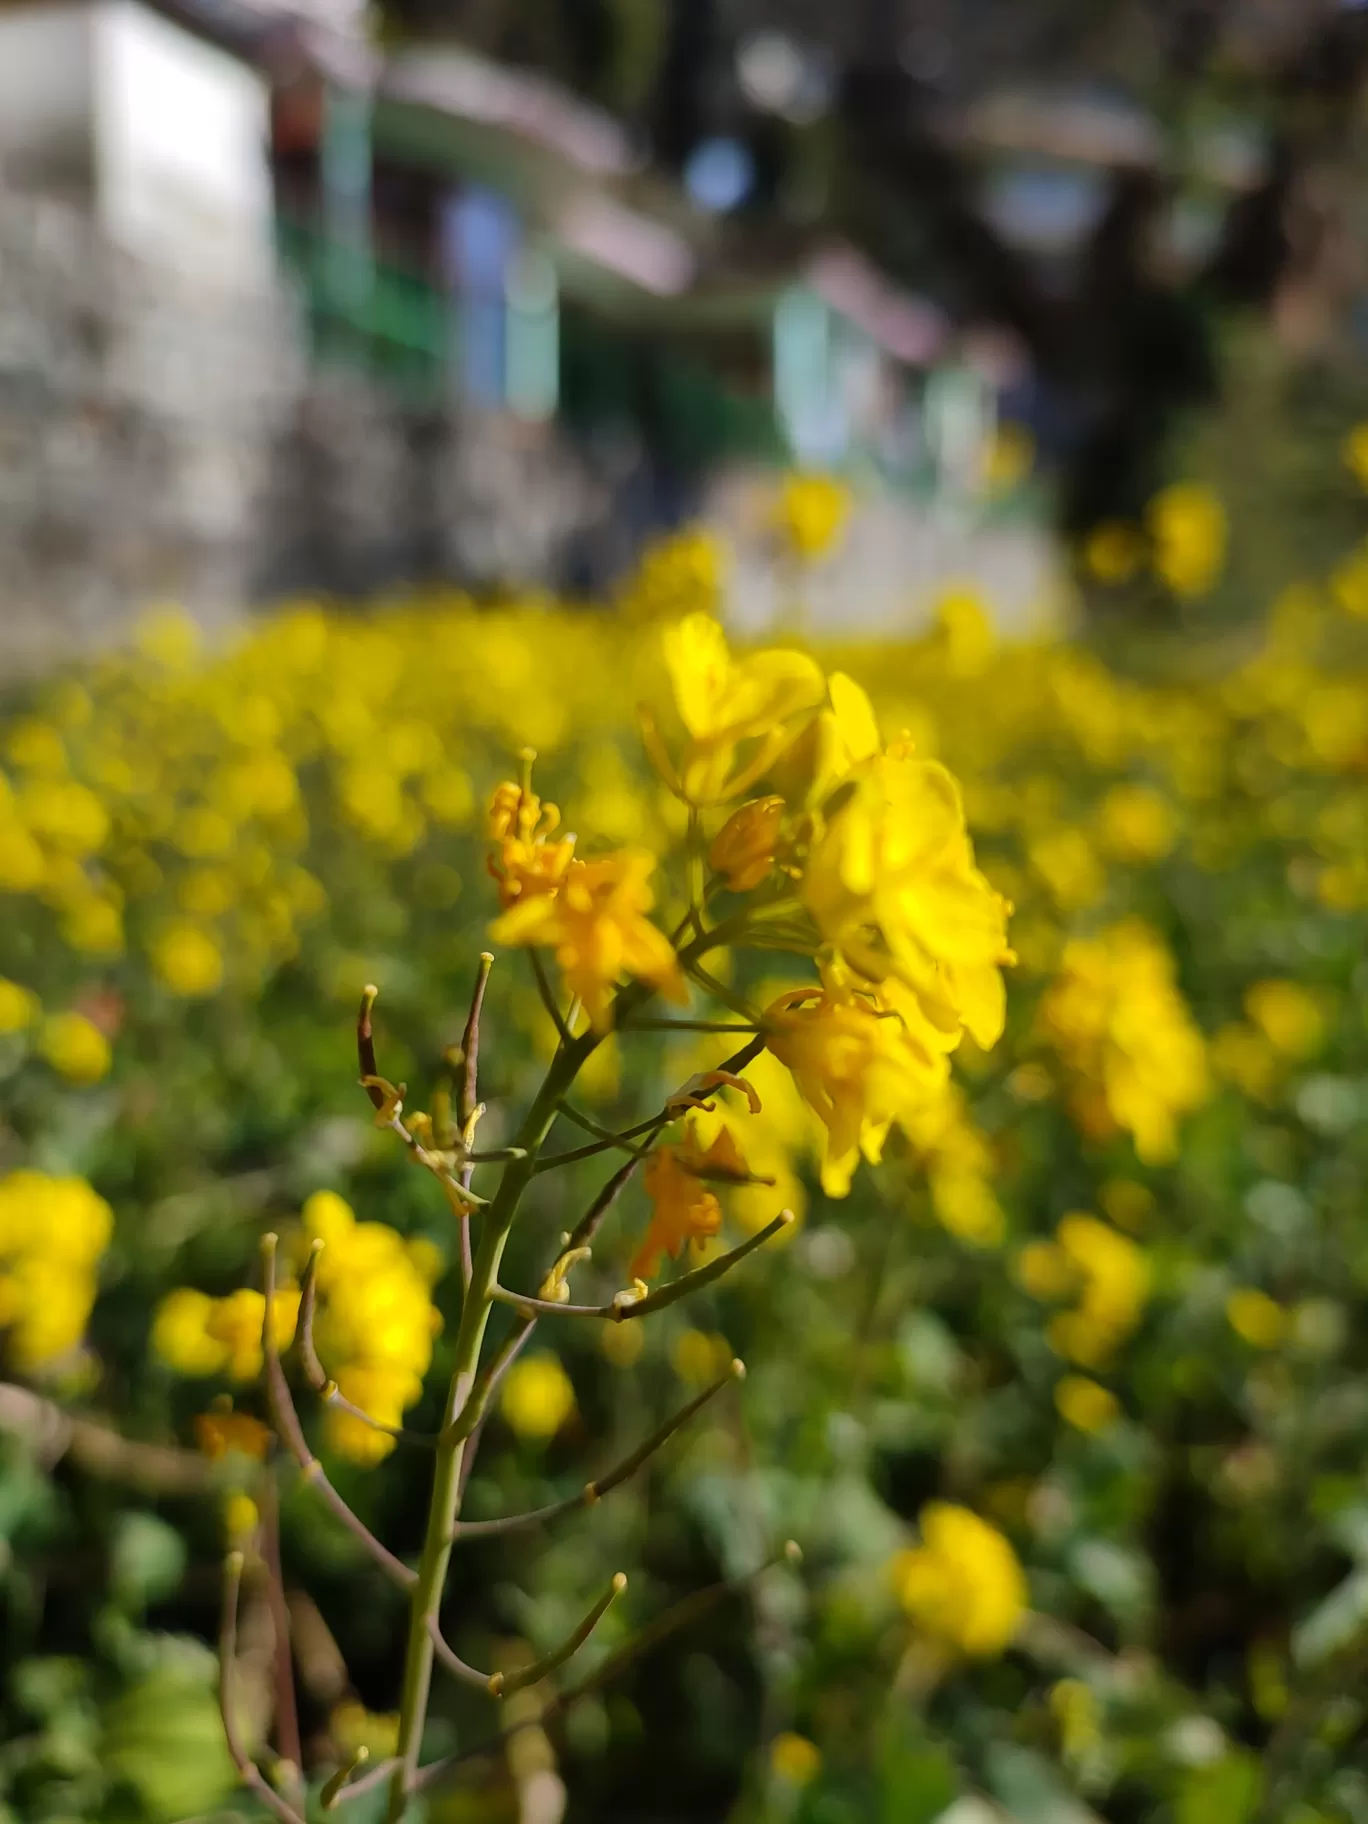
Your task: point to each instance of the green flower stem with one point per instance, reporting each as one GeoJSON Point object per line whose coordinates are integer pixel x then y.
{"type": "Point", "coordinates": [614, 1478]}
{"type": "Point", "coordinates": [496, 1223]}
{"type": "Point", "coordinates": [624, 1306]}
{"type": "Point", "coordinates": [504, 1686]}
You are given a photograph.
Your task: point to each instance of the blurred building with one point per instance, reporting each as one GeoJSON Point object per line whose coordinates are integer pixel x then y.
{"type": "Point", "coordinates": [278, 312]}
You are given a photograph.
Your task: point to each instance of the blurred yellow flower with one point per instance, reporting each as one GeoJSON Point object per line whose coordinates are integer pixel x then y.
{"type": "Point", "coordinates": [188, 960]}
{"type": "Point", "coordinates": [1115, 1015]}
{"type": "Point", "coordinates": [794, 1759]}
{"type": "Point", "coordinates": [240, 1518]}
{"type": "Point", "coordinates": [1290, 1017]}
{"type": "Point", "coordinates": [353, 1727]}
{"type": "Point", "coordinates": [1136, 823]}
{"type": "Point", "coordinates": [20, 1008]}
{"type": "Point", "coordinates": [221, 1432]}
{"type": "Point", "coordinates": [1355, 452]}
{"type": "Point", "coordinates": [53, 1233]}
{"type": "Point", "coordinates": [75, 1047]}
{"type": "Point", "coordinates": [697, 1355]}
{"type": "Point", "coordinates": [811, 514]}
{"type": "Point", "coordinates": [1114, 552]}
{"type": "Point", "coordinates": [1008, 458]}
{"type": "Point", "coordinates": [536, 1397]}
{"type": "Point", "coordinates": [180, 1333]}
{"type": "Point", "coordinates": [1187, 524]}
{"type": "Point", "coordinates": [1256, 1318]}
{"type": "Point", "coordinates": [1084, 1404]}
{"type": "Point", "coordinates": [963, 1585]}
{"type": "Point", "coordinates": [678, 575]}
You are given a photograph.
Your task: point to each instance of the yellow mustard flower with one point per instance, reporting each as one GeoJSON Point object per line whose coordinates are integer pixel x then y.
{"type": "Point", "coordinates": [20, 1007]}
{"type": "Point", "coordinates": [527, 863]}
{"type": "Point", "coordinates": [860, 1064]}
{"type": "Point", "coordinates": [963, 1585]}
{"type": "Point", "coordinates": [681, 574]}
{"type": "Point", "coordinates": [1118, 1021]}
{"type": "Point", "coordinates": [795, 1760]}
{"type": "Point", "coordinates": [737, 712]}
{"type": "Point", "coordinates": [1136, 823]}
{"type": "Point", "coordinates": [188, 960]}
{"type": "Point", "coordinates": [53, 1233]}
{"type": "Point", "coordinates": [1290, 1017]}
{"type": "Point", "coordinates": [597, 926]}
{"type": "Point", "coordinates": [180, 1333]}
{"type": "Point", "coordinates": [696, 1355]}
{"type": "Point", "coordinates": [241, 1517]}
{"type": "Point", "coordinates": [1187, 524]}
{"type": "Point", "coordinates": [683, 1210]}
{"type": "Point", "coordinates": [1354, 450]}
{"type": "Point", "coordinates": [1084, 1404]}
{"type": "Point", "coordinates": [537, 1397]}
{"type": "Point", "coordinates": [235, 1322]}
{"type": "Point", "coordinates": [75, 1047]}
{"type": "Point", "coordinates": [1114, 552]}
{"type": "Point", "coordinates": [1259, 1320]}
{"type": "Point", "coordinates": [811, 514]}
{"type": "Point", "coordinates": [891, 884]}
{"type": "Point", "coordinates": [353, 1727]}
{"type": "Point", "coordinates": [223, 1432]}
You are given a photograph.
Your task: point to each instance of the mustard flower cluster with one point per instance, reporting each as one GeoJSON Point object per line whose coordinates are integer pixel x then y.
{"type": "Point", "coordinates": [53, 1232]}
{"type": "Point", "coordinates": [374, 1325]}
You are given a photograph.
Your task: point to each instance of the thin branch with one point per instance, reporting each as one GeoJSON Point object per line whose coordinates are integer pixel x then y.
{"type": "Point", "coordinates": [594, 1491]}
{"type": "Point", "coordinates": [314, 1371]}
{"type": "Point", "coordinates": [690, 1283]}
{"type": "Point", "coordinates": [248, 1771]}
{"type": "Point", "coordinates": [156, 1469]}
{"type": "Point", "coordinates": [467, 1079]}
{"type": "Point", "coordinates": [691, 1026]}
{"type": "Point", "coordinates": [333, 1789]}
{"type": "Point", "coordinates": [624, 1306]}
{"type": "Point", "coordinates": [584, 1231]}
{"type": "Point", "coordinates": [468, 1675]}
{"type": "Point", "coordinates": [622, 1141]}
{"type": "Point", "coordinates": [505, 1684]}
{"type": "Point", "coordinates": [683, 1613]}
{"type": "Point", "coordinates": [499, 1366]}
{"type": "Point", "coordinates": [286, 1708]}
{"type": "Point", "coordinates": [468, 1102]}
{"type": "Point", "coordinates": [369, 1780]}
{"type": "Point", "coordinates": [365, 1046]}
{"type": "Point", "coordinates": [291, 1432]}
{"type": "Point", "coordinates": [547, 993]}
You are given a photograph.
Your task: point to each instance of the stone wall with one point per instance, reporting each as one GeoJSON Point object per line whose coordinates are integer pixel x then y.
{"type": "Point", "coordinates": [138, 410]}
{"type": "Point", "coordinates": [166, 439]}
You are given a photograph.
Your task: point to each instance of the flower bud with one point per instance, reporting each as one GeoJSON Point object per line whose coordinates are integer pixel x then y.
{"type": "Point", "coordinates": [743, 849]}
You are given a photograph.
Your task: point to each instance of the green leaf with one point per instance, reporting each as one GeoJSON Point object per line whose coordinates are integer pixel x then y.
{"type": "Point", "coordinates": [1339, 1619]}
{"type": "Point", "coordinates": [1032, 1790]}
{"type": "Point", "coordinates": [147, 1560]}
{"type": "Point", "coordinates": [1228, 1790]}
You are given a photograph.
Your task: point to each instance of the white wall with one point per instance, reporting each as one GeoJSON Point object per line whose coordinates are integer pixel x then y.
{"type": "Point", "coordinates": [45, 82]}
{"type": "Point", "coordinates": [180, 133]}
{"type": "Point", "coordinates": [164, 136]}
